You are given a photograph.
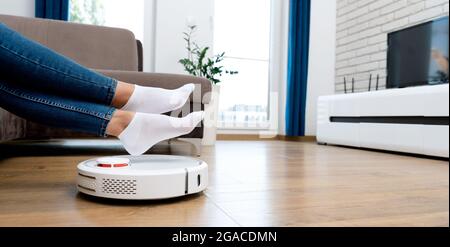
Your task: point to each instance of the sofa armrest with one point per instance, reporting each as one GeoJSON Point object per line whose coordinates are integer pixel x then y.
{"type": "Point", "coordinates": [166, 81]}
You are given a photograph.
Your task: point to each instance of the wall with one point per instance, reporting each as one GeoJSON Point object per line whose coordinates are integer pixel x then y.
{"type": "Point", "coordinates": [321, 58]}
{"type": "Point", "coordinates": [17, 7]}
{"type": "Point", "coordinates": [279, 58]}
{"type": "Point", "coordinates": [149, 35]}
{"type": "Point", "coordinates": [172, 18]}
{"type": "Point", "coordinates": [362, 28]}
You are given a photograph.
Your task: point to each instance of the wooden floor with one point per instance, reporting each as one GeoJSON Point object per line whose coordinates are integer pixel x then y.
{"type": "Point", "coordinates": [271, 183]}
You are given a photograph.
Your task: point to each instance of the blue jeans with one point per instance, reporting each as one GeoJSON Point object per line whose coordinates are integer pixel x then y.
{"type": "Point", "coordinates": [43, 86]}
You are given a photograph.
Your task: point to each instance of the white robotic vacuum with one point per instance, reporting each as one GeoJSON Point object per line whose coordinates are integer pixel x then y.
{"type": "Point", "coordinates": [147, 177]}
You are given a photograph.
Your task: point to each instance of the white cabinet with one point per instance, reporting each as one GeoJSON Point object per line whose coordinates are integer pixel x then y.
{"type": "Point", "coordinates": [410, 120]}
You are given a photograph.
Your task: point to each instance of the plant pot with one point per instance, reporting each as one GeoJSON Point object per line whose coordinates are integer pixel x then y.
{"type": "Point", "coordinates": [211, 117]}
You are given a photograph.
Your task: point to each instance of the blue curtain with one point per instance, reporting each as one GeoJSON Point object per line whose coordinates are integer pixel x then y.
{"type": "Point", "coordinates": [300, 12]}
{"type": "Point", "coordinates": [53, 9]}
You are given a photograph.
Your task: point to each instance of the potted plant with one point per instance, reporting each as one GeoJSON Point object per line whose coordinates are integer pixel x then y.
{"type": "Point", "coordinates": [198, 63]}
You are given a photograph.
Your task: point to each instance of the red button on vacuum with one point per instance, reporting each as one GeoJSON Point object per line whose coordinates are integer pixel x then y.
{"type": "Point", "coordinates": [105, 165]}
{"type": "Point", "coordinates": [120, 165]}
{"type": "Point", "coordinates": [113, 162]}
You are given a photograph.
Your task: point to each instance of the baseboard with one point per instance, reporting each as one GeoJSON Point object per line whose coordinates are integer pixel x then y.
{"type": "Point", "coordinates": [237, 137]}
{"type": "Point", "coordinates": [242, 137]}
{"type": "Point", "coordinates": [297, 138]}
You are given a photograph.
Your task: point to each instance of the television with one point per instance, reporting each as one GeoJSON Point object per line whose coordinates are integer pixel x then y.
{"type": "Point", "coordinates": [418, 55]}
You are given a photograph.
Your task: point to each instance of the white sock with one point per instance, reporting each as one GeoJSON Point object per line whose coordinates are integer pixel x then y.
{"type": "Point", "coordinates": [146, 130]}
{"type": "Point", "coordinates": [158, 100]}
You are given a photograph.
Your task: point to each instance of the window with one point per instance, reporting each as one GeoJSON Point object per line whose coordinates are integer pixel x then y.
{"type": "Point", "coordinates": [242, 31]}
{"type": "Point", "coordinates": [123, 14]}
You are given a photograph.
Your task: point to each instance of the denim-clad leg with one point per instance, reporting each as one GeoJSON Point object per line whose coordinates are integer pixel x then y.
{"type": "Point", "coordinates": [55, 111]}
{"type": "Point", "coordinates": [33, 66]}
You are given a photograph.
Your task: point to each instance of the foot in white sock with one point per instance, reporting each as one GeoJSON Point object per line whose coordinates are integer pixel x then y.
{"type": "Point", "coordinates": [146, 130]}
{"type": "Point", "coordinates": [158, 100]}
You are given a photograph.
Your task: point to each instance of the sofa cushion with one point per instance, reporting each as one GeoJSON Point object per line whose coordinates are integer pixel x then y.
{"type": "Point", "coordinates": [92, 46]}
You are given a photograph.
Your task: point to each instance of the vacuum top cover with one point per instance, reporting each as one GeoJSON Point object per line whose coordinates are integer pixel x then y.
{"type": "Point", "coordinates": [140, 165]}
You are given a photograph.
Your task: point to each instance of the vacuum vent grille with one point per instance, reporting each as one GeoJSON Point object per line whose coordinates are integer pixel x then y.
{"type": "Point", "coordinates": [119, 186]}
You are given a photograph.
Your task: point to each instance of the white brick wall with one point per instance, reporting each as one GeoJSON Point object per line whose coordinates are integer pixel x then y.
{"type": "Point", "coordinates": [362, 28]}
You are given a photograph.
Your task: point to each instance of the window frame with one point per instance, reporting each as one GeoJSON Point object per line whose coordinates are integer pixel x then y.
{"type": "Point", "coordinates": [278, 56]}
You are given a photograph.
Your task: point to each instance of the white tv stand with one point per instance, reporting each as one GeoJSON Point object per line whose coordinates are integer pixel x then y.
{"type": "Point", "coordinates": [411, 120]}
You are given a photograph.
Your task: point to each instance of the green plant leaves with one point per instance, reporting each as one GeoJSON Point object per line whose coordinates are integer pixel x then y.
{"type": "Point", "coordinates": [199, 64]}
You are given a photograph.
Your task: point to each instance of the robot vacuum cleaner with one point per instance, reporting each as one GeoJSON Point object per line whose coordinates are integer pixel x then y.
{"type": "Point", "coordinates": [147, 177]}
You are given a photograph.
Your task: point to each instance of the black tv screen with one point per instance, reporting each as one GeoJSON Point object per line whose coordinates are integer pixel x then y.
{"type": "Point", "coordinates": [418, 55]}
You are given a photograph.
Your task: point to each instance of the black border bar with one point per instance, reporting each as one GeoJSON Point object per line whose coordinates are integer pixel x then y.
{"type": "Point", "coordinates": [223, 237]}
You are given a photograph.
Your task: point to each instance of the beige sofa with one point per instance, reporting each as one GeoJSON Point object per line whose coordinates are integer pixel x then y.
{"type": "Point", "coordinates": [111, 51]}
